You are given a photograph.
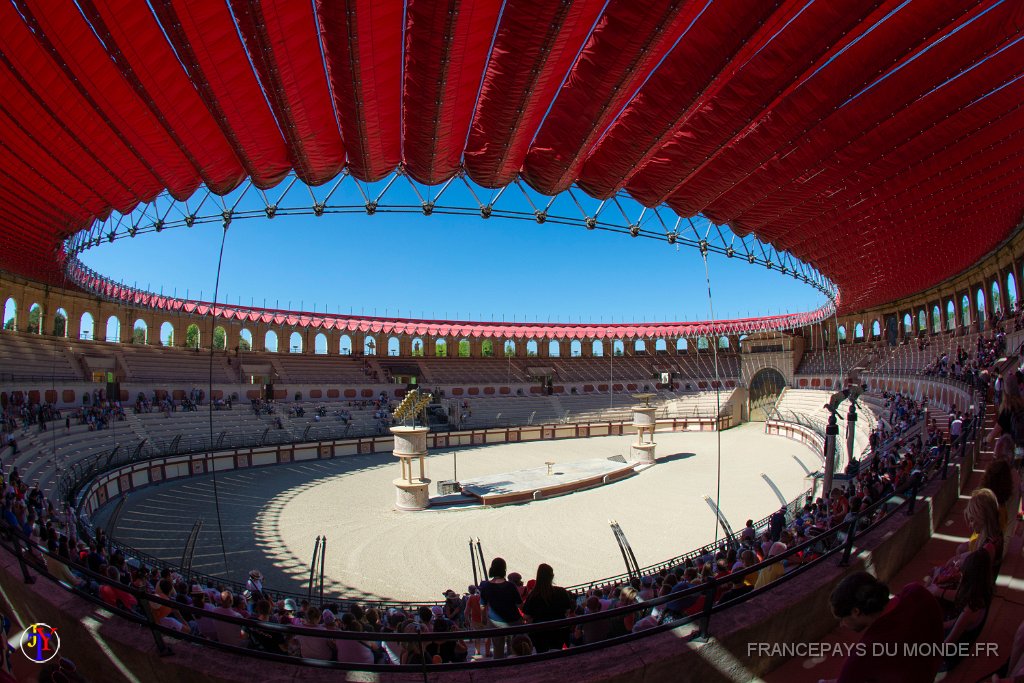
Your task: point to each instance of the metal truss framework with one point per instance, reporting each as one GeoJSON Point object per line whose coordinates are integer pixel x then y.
{"type": "Point", "coordinates": [399, 193]}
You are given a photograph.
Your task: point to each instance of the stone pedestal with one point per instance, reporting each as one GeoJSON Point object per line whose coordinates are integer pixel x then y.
{"type": "Point", "coordinates": [412, 488]}
{"type": "Point", "coordinates": [644, 421]}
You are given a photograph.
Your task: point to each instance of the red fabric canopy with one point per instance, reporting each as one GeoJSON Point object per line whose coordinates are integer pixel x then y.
{"type": "Point", "coordinates": [888, 127]}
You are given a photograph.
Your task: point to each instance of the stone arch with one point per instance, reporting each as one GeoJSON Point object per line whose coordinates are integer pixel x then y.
{"type": "Point", "coordinates": [660, 345]}
{"type": "Point", "coordinates": [997, 302]}
{"type": "Point", "coordinates": [723, 342]}
{"type": "Point", "coordinates": [245, 340]}
{"type": "Point", "coordinates": [858, 332]}
{"type": "Point", "coordinates": [113, 330]}
{"type": "Point", "coordinates": [441, 347]}
{"type": "Point", "coordinates": [575, 348]}
{"type": "Point", "coordinates": [11, 314]}
{"type": "Point", "coordinates": [465, 348]}
{"type": "Point", "coordinates": [369, 346]}
{"type": "Point", "coordinates": [841, 334]}
{"type": "Point", "coordinates": [936, 319]}
{"type": "Point", "coordinates": [345, 345]}
{"type": "Point", "coordinates": [193, 337]}
{"type": "Point", "coordinates": [950, 315]}
{"type": "Point", "coordinates": [220, 338]}
{"type": "Point", "coordinates": [509, 348]}
{"type": "Point", "coordinates": [35, 319]}
{"type": "Point", "coordinates": [682, 345]}
{"type": "Point", "coordinates": [639, 347]}
{"type": "Point", "coordinates": [922, 321]}
{"type": "Point", "coordinates": [320, 344]}
{"type": "Point", "coordinates": [531, 348]}
{"type": "Point", "coordinates": [618, 348]}
{"type": "Point", "coordinates": [295, 343]}
{"type": "Point", "coordinates": [140, 332]}
{"type": "Point", "coordinates": [167, 334]}
{"type": "Point", "coordinates": [86, 326]}
{"type": "Point", "coordinates": [876, 329]}
{"type": "Point", "coordinates": [765, 388]}
{"type": "Point", "coordinates": [554, 349]}
{"type": "Point", "coordinates": [60, 323]}
{"type": "Point", "coordinates": [417, 347]}
{"type": "Point", "coordinates": [1011, 289]}
{"type": "Point", "coordinates": [597, 348]}
{"type": "Point", "coordinates": [487, 349]}
{"type": "Point", "coordinates": [965, 311]}
{"type": "Point", "coordinates": [394, 346]}
{"type": "Point", "coordinates": [979, 299]}
{"type": "Point", "coordinates": [270, 341]}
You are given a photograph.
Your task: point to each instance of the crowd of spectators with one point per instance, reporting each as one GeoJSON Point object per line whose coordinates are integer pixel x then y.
{"type": "Point", "coordinates": [164, 402]}
{"type": "Point", "coordinates": [966, 365]}
{"type": "Point", "coordinates": [501, 600]}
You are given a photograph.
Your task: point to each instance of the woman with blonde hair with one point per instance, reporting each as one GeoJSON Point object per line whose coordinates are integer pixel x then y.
{"type": "Point", "coordinates": [982, 515]}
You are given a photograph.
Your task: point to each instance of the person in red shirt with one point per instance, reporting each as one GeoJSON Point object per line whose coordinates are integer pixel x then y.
{"type": "Point", "coordinates": [891, 628]}
{"type": "Point", "coordinates": [114, 596]}
{"type": "Point", "coordinates": [839, 506]}
{"type": "Point", "coordinates": [475, 618]}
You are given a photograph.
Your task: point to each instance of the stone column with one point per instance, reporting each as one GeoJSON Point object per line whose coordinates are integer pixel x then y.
{"type": "Point", "coordinates": [644, 421]}
{"type": "Point", "coordinates": [412, 487]}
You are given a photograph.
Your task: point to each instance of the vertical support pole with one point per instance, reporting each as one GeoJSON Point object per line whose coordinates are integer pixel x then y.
{"type": "Point", "coordinates": [472, 563]}
{"type": "Point", "coordinates": [323, 551]}
{"type": "Point", "coordinates": [831, 431]}
{"type": "Point", "coordinates": [312, 569]}
{"type": "Point", "coordinates": [851, 429]}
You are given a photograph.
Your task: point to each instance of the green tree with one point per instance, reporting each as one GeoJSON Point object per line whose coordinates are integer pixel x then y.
{"type": "Point", "coordinates": [441, 350]}
{"type": "Point", "coordinates": [9, 325]}
{"type": "Point", "coordinates": [244, 345]}
{"type": "Point", "coordinates": [487, 349]}
{"type": "Point", "coordinates": [464, 348]}
{"type": "Point", "coordinates": [60, 325]}
{"type": "Point", "coordinates": [139, 335]}
{"type": "Point", "coordinates": [192, 336]}
{"type": "Point", "coordinates": [219, 338]}
{"type": "Point", "coordinates": [34, 315]}
{"type": "Point", "coordinates": [510, 350]}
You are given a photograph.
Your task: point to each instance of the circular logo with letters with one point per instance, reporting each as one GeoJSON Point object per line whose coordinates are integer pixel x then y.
{"type": "Point", "coordinates": [40, 643]}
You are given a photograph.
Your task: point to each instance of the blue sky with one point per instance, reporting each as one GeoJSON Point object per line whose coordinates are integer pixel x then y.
{"type": "Point", "coordinates": [445, 266]}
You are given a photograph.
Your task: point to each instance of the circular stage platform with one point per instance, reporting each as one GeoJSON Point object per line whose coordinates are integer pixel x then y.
{"type": "Point", "coordinates": [272, 516]}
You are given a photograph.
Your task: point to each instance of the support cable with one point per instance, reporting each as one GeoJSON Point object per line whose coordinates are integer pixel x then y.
{"type": "Point", "coordinates": [209, 397]}
{"type": "Point", "coordinates": [718, 399]}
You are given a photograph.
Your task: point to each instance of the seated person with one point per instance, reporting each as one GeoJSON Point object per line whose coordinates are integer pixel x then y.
{"type": "Point", "coordinates": [969, 610]}
{"type": "Point", "coordinates": [862, 603]}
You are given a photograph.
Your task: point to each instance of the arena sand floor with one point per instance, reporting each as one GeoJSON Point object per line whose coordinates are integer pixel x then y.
{"type": "Point", "coordinates": [272, 515]}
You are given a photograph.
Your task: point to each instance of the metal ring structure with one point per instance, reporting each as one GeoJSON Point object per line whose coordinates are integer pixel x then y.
{"type": "Point", "coordinates": [400, 194]}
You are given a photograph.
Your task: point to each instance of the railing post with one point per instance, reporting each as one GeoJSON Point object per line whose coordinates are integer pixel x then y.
{"type": "Point", "coordinates": [913, 498]}
{"type": "Point", "coordinates": [161, 647]}
{"type": "Point", "coordinates": [844, 561]}
{"type": "Point", "coordinates": [705, 615]}
{"type": "Point", "coordinates": [21, 558]}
